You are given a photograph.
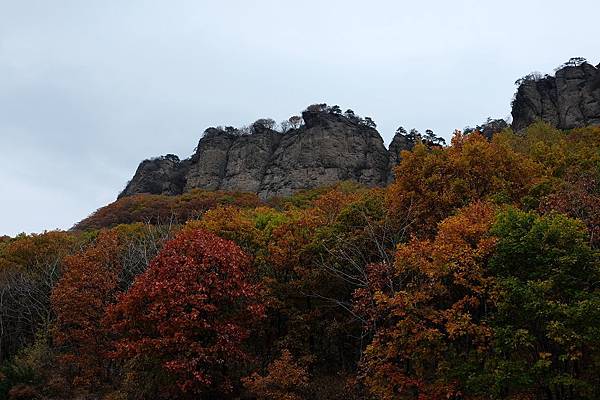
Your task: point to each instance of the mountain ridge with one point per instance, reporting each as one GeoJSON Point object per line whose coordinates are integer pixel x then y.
{"type": "Point", "coordinates": [326, 146]}
{"type": "Point", "coordinates": [329, 147]}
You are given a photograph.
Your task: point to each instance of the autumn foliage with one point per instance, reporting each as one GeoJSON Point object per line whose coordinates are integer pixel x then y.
{"type": "Point", "coordinates": [79, 300]}
{"type": "Point", "coordinates": [148, 208]}
{"type": "Point", "coordinates": [189, 314]}
{"type": "Point", "coordinates": [30, 266]}
{"type": "Point", "coordinates": [428, 311]}
{"type": "Point", "coordinates": [286, 379]}
{"type": "Point", "coordinates": [473, 276]}
{"type": "Point", "coordinates": [432, 184]}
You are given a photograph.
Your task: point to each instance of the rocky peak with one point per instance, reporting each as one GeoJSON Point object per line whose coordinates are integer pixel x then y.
{"type": "Point", "coordinates": [161, 175]}
{"type": "Point", "coordinates": [323, 119]}
{"type": "Point", "coordinates": [401, 141]}
{"type": "Point", "coordinates": [214, 132]}
{"type": "Point", "coordinates": [328, 148]}
{"type": "Point", "coordinates": [332, 146]}
{"type": "Point", "coordinates": [489, 128]}
{"type": "Point", "coordinates": [315, 118]}
{"type": "Point", "coordinates": [569, 99]}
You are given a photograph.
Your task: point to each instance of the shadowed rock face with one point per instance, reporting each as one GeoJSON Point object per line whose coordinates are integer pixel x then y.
{"type": "Point", "coordinates": [568, 100]}
{"type": "Point", "coordinates": [329, 148]}
{"type": "Point", "coordinates": [399, 143]}
{"type": "Point", "coordinates": [162, 175]}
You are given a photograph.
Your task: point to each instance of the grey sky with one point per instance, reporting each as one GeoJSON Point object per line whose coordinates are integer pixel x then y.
{"type": "Point", "coordinates": [90, 88]}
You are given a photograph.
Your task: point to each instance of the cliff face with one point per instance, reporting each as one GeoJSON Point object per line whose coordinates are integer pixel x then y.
{"type": "Point", "coordinates": [570, 99]}
{"type": "Point", "coordinates": [329, 148]}
{"type": "Point", "coordinates": [399, 143]}
{"type": "Point", "coordinates": [162, 175]}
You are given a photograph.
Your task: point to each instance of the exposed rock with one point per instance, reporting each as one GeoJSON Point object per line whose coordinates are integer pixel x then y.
{"type": "Point", "coordinates": [248, 160]}
{"type": "Point", "coordinates": [329, 148]}
{"type": "Point", "coordinates": [209, 163]}
{"type": "Point", "coordinates": [162, 175]}
{"type": "Point", "coordinates": [489, 128]}
{"type": "Point", "coordinates": [570, 99]}
{"type": "Point", "coordinates": [400, 142]}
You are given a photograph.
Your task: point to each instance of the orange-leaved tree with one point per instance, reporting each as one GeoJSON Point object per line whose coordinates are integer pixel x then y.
{"type": "Point", "coordinates": [286, 379]}
{"type": "Point", "coordinates": [428, 311]}
{"type": "Point", "coordinates": [186, 317]}
{"type": "Point", "coordinates": [79, 300]}
{"type": "Point", "coordinates": [431, 184]}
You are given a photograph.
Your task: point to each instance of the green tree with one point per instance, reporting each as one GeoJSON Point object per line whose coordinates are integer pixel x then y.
{"type": "Point", "coordinates": [547, 323]}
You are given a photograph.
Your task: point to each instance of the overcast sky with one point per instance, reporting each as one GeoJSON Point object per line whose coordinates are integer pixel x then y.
{"type": "Point", "coordinates": [90, 88]}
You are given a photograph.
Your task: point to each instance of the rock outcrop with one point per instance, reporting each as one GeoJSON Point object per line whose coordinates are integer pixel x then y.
{"type": "Point", "coordinates": [331, 147]}
{"type": "Point", "coordinates": [248, 159]}
{"type": "Point", "coordinates": [570, 99]}
{"type": "Point", "coordinates": [328, 148]}
{"type": "Point", "coordinates": [399, 143]}
{"type": "Point", "coordinates": [162, 175]}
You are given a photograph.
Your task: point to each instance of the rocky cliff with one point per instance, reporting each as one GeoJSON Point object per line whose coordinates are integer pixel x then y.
{"type": "Point", "coordinates": [331, 147]}
{"type": "Point", "coordinates": [570, 99]}
{"type": "Point", "coordinates": [328, 148]}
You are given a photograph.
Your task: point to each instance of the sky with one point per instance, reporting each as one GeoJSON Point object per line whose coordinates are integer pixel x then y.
{"type": "Point", "coordinates": [90, 88]}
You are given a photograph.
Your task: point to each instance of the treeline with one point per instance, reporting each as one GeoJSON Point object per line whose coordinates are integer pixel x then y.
{"type": "Point", "coordinates": [474, 275]}
{"type": "Point", "coordinates": [293, 122]}
{"type": "Point", "coordinates": [538, 76]}
{"type": "Point", "coordinates": [163, 210]}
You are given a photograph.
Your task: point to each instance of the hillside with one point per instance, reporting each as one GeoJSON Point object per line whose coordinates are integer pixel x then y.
{"type": "Point", "coordinates": [313, 264]}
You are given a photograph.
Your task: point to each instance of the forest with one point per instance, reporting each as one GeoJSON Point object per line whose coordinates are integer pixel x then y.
{"type": "Point", "coordinates": [474, 275]}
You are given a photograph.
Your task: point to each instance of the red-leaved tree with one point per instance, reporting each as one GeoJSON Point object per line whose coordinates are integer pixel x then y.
{"type": "Point", "coordinates": [180, 328]}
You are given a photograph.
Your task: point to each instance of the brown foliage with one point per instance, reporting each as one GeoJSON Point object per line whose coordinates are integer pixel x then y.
{"type": "Point", "coordinates": [428, 309]}
{"type": "Point", "coordinates": [578, 196]}
{"type": "Point", "coordinates": [157, 209]}
{"type": "Point", "coordinates": [79, 300]}
{"type": "Point", "coordinates": [29, 267]}
{"type": "Point", "coordinates": [431, 184]}
{"type": "Point", "coordinates": [23, 392]}
{"type": "Point", "coordinates": [286, 379]}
